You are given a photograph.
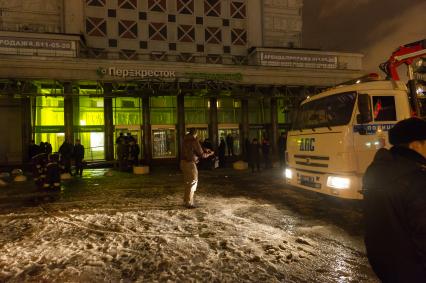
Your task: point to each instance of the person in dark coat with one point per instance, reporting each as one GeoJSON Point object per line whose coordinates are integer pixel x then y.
{"type": "Point", "coordinates": [282, 144]}
{"type": "Point", "coordinates": [78, 157]}
{"type": "Point", "coordinates": [122, 155]}
{"type": "Point", "coordinates": [130, 138]}
{"type": "Point", "coordinates": [222, 151]}
{"type": "Point", "coordinates": [120, 138]}
{"type": "Point", "coordinates": [134, 153]}
{"type": "Point", "coordinates": [33, 150]}
{"type": "Point", "coordinates": [42, 147]}
{"type": "Point", "coordinates": [266, 147]}
{"type": "Point", "coordinates": [65, 150]}
{"type": "Point", "coordinates": [395, 205]}
{"type": "Point", "coordinates": [48, 148]}
{"type": "Point", "coordinates": [254, 155]}
{"type": "Point", "coordinates": [230, 144]}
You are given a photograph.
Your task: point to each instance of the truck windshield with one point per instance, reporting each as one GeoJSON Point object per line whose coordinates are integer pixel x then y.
{"type": "Point", "coordinates": [334, 110]}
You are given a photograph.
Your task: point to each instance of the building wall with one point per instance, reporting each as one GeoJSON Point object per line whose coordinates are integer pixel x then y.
{"type": "Point", "coordinates": [282, 23]}
{"type": "Point", "coordinates": [10, 140]}
{"type": "Point", "coordinates": [173, 27]}
{"type": "Point", "coordinates": [73, 16]}
{"type": "Point", "coordinates": [31, 16]}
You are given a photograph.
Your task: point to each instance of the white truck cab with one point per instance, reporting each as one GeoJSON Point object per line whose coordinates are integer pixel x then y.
{"type": "Point", "coordinates": [337, 133]}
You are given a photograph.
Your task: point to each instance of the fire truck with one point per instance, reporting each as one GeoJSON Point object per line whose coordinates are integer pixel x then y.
{"type": "Point", "coordinates": [336, 133]}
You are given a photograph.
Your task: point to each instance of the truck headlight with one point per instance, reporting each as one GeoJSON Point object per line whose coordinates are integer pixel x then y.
{"type": "Point", "coordinates": [338, 182]}
{"type": "Point", "coordinates": [288, 173]}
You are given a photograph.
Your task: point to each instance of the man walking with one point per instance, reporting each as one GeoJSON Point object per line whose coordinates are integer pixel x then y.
{"type": "Point", "coordinates": [65, 150]}
{"type": "Point", "coordinates": [254, 155]}
{"type": "Point", "coordinates": [395, 205]}
{"type": "Point", "coordinates": [191, 153]}
{"type": "Point", "coordinates": [78, 157]}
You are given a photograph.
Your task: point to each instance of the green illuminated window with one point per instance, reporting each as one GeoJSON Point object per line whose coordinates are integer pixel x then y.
{"type": "Point", "coordinates": [228, 110]}
{"type": "Point", "coordinates": [49, 111]}
{"type": "Point", "coordinates": [91, 127]}
{"type": "Point", "coordinates": [163, 110]}
{"type": "Point", "coordinates": [49, 121]}
{"type": "Point", "coordinates": [259, 111]}
{"type": "Point", "coordinates": [196, 110]}
{"type": "Point", "coordinates": [127, 111]}
{"type": "Point", "coordinates": [91, 111]}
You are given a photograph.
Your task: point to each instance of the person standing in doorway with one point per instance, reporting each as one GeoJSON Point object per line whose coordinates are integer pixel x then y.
{"type": "Point", "coordinates": [122, 155]}
{"type": "Point", "coordinates": [222, 152]}
{"type": "Point", "coordinates": [254, 155]}
{"type": "Point", "coordinates": [78, 157]}
{"type": "Point", "coordinates": [266, 147]}
{"type": "Point", "coordinates": [394, 188]}
{"type": "Point", "coordinates": [191, 153]}
{"type": "Point", "coordinates": [230, 144]}
{"type": "Point", "coordinates": [134, 153]}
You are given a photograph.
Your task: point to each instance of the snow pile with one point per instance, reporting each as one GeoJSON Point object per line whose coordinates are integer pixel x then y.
{"type": "Point", "coordinates": [226, 239]}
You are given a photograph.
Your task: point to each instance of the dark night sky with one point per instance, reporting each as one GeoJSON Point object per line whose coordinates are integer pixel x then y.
{"type": "Point", "coordinates": [372, 27]}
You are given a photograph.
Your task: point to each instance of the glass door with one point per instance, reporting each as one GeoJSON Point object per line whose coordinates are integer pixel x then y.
{"type": "Point", "coordinates": [127, 131]}
{"type": "Point", "coordinates": [231, 135]}
{"type": "Point", "coordinates": [163, 142]}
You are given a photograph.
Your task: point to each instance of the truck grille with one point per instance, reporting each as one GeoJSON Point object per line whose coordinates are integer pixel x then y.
{"type": "Point", "coordinates": [312, 161]}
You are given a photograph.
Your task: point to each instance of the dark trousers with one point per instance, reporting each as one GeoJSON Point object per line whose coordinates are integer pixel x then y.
{"type": "Point", "coordinates": [79, 167]}
{"type": "Point", "coordinates": [254, 164]}
{"type": "Point", "coordinates": [67, 165]}
{"type": "Point", "coordinates": [222, 161]}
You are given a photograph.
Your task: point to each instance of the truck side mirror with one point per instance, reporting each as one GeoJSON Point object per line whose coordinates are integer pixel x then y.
{"type": "Point", "coordinates": [364, 108]}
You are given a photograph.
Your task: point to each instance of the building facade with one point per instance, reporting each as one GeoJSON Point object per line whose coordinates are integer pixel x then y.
{"type": "Point", "coordinates": [92, 69]}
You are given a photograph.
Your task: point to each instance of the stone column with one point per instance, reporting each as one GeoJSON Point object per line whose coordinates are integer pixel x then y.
{"type": "Point", "coordinates": [109, 123]}
{"type": "Point", "coordinates": [147, 152]}
{"type": "Point", "coordinates": [26, 130]}
{"type": "Point", "coordinates": [244, 127]}
{"type": "Point", "coordinates": [180, 121]}
{"type": "Point", "coordinates": [274, 127]}
{"type": "Point", "coordinates": [68, 112]}
{"type": "Point", "coordinates": [213, 125]}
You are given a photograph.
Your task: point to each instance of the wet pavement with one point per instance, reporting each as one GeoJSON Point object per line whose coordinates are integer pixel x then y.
{"type": "Point", "coordinates": [247, 228]}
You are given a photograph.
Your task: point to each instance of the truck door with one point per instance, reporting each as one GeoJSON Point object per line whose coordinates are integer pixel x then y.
{"type": "Point", "coordinates": [371, 136]}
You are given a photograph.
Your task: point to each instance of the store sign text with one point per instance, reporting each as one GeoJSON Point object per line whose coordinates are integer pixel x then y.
{"type": "Point", "coordinates": [36, 43]}
{"type": "Point", "coordinates": [134, 73]}
{"type": "Point", "coordinates": [215, 76]}
{"type": "Point", "coordinates": [298, 60]}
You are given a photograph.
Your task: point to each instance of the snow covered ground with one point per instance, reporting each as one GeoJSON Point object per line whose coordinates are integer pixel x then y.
{"type": "Point", "coordinates": [125, 228]}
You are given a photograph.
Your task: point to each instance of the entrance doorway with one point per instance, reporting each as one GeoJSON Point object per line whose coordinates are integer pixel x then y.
{"type": "Point", "coordinates": [230, 132]}
{"type": "Point", "coordinates": [163, 141]}
{"type": "Point", "coordinates": [94, 145]}
{"type": "Point", "coordinates": [134, 130]}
